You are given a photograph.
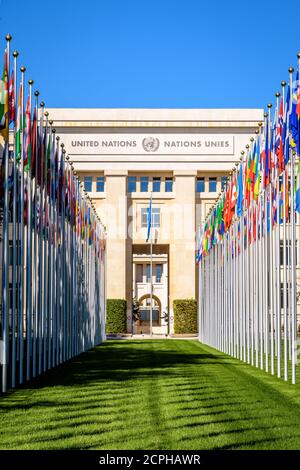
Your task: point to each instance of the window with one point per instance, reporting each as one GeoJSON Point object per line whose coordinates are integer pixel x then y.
{"type": "Point", "coordinates": [148, 278]}
{"type": "Point", "coordinates": [288, 248]}
{"type": "Point", "coordinates": [139, 273]}
{"type": "Point", "coordinates": [11, 251]}
{"type": "Point", "coordinates": [100, 184]}
{"type": "Point", "coordinates": [155, 217]}
{"type": "Point", "coordinates": [88, 181]}
{"type": "Point", "coordinates": [158, 273]}
{"type": "Point", "coordinates": [156, 184]}
{"type": "Point", "coordinates": [145, 315]}
{"type": "Point", "coordinates": [131, 184]}
{"type": "Point", "coordinates": [212, 185]}
{"type": "Point", "coordinates": [200, 185]}
{"type": "Point", "coordinates": [223, 182]}
{"type": "Point", "coordinates": [144, 183]}
{"type": "Point", "coordinates": [287, 289]}
{"type": "Point", "coordinates": [169, 185]}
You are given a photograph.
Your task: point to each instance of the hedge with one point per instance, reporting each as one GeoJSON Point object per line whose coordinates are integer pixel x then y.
{"type": "Point", "coordinates": [116, 315]}
{"type": "Point", "coordinates": [185, 316]}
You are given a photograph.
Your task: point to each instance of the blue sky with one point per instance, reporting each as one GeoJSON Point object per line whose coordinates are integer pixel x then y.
{"type": "Point", "coordinates": [154, 53]}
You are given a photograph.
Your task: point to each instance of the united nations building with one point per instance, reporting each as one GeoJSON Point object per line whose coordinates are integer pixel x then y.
{"type": "Point", "coordinates": [181, 157]}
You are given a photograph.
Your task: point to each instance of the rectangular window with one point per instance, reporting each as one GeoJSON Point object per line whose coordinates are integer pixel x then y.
{"type": "Point", "coordinates": [212, 185]}
{"type": "Point", "coordinates": [145, 315]}
{"type": "Point", "coordinates": [144, 216]}
{"type": "Point", "coordinates": [158, 273]}
{"type": "Point", "coordinates": [156, 184]}
{"type": "Point", "coordinates": [288, 248]}
{"type": "Point", "coordinates": [131, 184]}
{"type": "Point", "coordinates": [223, 182]}
{"type": "Point", "coordinates": [148, 278]}
{"type": "Point", "coordinates": [200, 185]}
{"type": "Point", "coordinates": [11, 251]}
{"type": "Point", "coordinates": [169, 185]}
{"type": "Point", "coordinates": [139, 273]}
{"type": "Point", "coordinates": [88, 182]}
{"type": "Point", "coordinates": [100, 184]}
{"type": "Point", "coordinates": [155, 217]}
{"type": "Point", "coordinates": [144, 184]}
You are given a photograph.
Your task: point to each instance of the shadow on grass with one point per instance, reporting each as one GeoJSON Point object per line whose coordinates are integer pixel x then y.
{"type": "Point", "coordinates": [149, 394]}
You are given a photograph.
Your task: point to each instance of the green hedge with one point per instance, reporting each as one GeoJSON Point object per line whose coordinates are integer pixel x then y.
{"type": "Point", "coordinates": [116, 316]}
{"type": "Point", "coordinates": [185, 316]}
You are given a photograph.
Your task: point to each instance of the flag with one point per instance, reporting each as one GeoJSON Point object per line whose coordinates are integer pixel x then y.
{"type": "Point", "coordinates": [239, 206]}
{"type": "Point", "coordinates": [19, 124]}
{"type": "Point", "coordinates": [279, 150]}
{"type": "Point", "coordinates": [295, 117]}
{"type": "Point", "coordinates": [27, 156]}
{"type": "Point", "coordinates": [33, 144]}
{"type": "Point", "coordinates": [11, 98]}
{"type": "Point", "coordinates": [149, 219]}
{"type": "Point", "coordinates": [297, 202]}
{"type": "Point", "coordinates": [4, 100]}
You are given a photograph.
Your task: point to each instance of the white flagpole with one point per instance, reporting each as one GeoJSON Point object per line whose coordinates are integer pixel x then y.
{"type": "Point", "coordinates": [5, 270]}
{"type": "Point", "coordinates": [15, 309]}
{"type": "Point", "coordinates": [21, 222]}
{"type": "Point", "coordinates": [35, 251]}
{"type": "Point", "coordinates": [151, 266]}
{"type": "Point", "coordinates": [28, 250]}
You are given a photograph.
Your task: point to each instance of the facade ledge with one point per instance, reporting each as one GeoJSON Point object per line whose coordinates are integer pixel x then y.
{"type": "Point", "coordinates": [143, 196]}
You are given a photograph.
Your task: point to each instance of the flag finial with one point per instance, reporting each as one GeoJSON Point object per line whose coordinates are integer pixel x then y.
{"type": "Point", "coordinates": [15, 54]}
{"type": "Point", "coordinates": [30, 82]}
{"type": "Point", "coordinates": [283, 83]}
{"type": "Point", "coordinates": [8, 37]}
{"type": "Point", "coordinates": [277, 94]}
{"type": "Point", "coordinates": [36, 93]}
{"type": "Point", "coordinates": [23, 69]}
{"type": "Point", "coordinates": [269, 105]}
{"type": "Point", "coordinates": [291, 69]}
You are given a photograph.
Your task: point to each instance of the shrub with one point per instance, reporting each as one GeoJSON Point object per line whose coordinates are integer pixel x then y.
{"type": "Point", "coordinates": [185, 316]}
{"type": "Point", "coordinates": [116, 315]}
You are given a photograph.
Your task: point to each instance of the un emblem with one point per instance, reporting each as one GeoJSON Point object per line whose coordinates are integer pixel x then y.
{"type": "Point", "coordinates": [150, 144]}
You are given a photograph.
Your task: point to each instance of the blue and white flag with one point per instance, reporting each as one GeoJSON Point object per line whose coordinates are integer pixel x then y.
{"type": "Point", "coordinates": [149, 224]}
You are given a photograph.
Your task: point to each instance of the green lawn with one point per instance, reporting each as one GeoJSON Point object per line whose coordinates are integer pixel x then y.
{"type": "Point", "coordinates": [159, 394]}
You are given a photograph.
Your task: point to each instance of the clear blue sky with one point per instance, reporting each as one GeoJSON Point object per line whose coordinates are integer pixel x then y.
{"type": "Point", "coordinates": [154, 53]}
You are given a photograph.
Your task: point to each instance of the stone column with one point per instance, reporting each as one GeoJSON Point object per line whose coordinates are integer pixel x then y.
{"type": "Point", "coordinates": [182, 280]}
{"type": "Point", "coordinates": [116, 219]}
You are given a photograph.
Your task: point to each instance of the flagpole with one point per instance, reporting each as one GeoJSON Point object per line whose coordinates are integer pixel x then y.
{"type": "Point", "coordinates": [40, 154]}
{"type": "Point", "coordinates": [151, 268]}
{"type": "Point", "coordinates": [21, 222]}
{"type": "Point", "coordinates": [14, 227]}
{"type": "Point", "coordinates": [35, 241]}
{"type": "Point", "coordinates": [29, 242]}
{"type": "Point", "coordinates": [5, 271]}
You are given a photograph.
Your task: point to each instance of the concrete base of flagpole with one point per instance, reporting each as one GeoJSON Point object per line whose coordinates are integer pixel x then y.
{"type": "Point", "coordinates": [4, 378]}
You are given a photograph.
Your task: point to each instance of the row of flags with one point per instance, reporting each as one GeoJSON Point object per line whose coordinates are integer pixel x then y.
{"type": "Point", "coordinates": [247, 248]}
{"type": "Point", "coordinates": [263, 169]}
{"type": "Point", "coordinates": [53, 242]}
{"type": "Point", "coordinates": [35, 143]}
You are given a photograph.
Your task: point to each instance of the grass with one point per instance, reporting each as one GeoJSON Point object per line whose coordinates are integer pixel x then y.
{"type": "Point", "coordinates": [159, 394]}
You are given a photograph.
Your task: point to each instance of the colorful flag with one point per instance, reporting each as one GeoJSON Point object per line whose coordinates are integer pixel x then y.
{"type": "Point", "coordinates": [27, 137]}
{"type": "Point", "coordinates": [11, 98]}
{"type": "Point", "coordinates": [19, 124]}
{"type": "Point", "coordinates": [239, 206]}
{"type": "Point", "coordinates": [4, 100]}
{"type": "Point", "coordinates": [297, 198]}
